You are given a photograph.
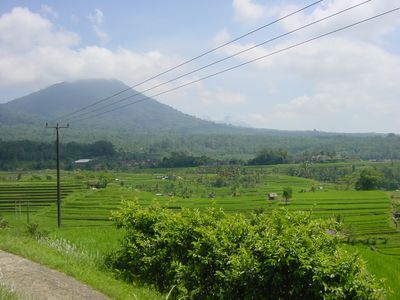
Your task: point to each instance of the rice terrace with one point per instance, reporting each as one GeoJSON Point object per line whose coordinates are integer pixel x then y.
{"type": "Point", "coordinates": [88, 234]}
{"type": "Point", "coordinates": [238, 149]}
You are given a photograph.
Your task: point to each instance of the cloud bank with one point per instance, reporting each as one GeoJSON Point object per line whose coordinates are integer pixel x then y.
{"type": "Point", "coordinates": [346, 82]}
{"type": "Point", "coordinates": [34, 54]}
{"type": "Point", "coordinates": [97, 19]}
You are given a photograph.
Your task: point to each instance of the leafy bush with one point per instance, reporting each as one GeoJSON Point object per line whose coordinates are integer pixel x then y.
{"type": "Point", "coordinates": [287, 193]}
{"type": "Point", "coordinates": [33, 231]}
{"type": "Point", "coordinates": [219, 182]}
{"type": "Point", "coordinates": [36, 177]}
{"type": "Point", "coordinates": [213, 255]}
{"type": "Point", "coordinates": [179, 160]}
{"type": "Point", "coordinates": [270, 157]}
{"type": "Point", "coordinates": [101, 183]}
{"type": "Point", "coordinates": [3, 223]}
{"type": "Point", "coordinates": [368, 179]}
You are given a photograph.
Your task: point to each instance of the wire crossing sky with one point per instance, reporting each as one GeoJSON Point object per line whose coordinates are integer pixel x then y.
{"type": "Point", "coordinates": [210, 64]}
{"type": "Point", "coordinates": [191, 60]}
{"type": "Point", "coordinates": [245, 63]}
{"type": "Point", "coordinates": [345, 82]}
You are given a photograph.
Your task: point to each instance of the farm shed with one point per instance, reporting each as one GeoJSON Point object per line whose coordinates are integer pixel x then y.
{"type": "Point", "coordinates": [272, 196]}
{"type": "Point", "coordinates": [83, 161]}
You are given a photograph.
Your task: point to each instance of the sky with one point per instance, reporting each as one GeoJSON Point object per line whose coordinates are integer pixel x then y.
{"type": "Point", "coordinates": [345, 82]}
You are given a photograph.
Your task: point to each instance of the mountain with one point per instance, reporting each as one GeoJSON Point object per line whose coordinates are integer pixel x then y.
{"type": "Point", "coordinates": [66, 97]}
{"type": "Point", "coordinates": [145, 117]}
{"type": "Point", "coordinates": [158, 129]}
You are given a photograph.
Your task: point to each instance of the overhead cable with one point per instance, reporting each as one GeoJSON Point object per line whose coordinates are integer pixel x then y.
{"type": "Point", "coordinates": [217, 61]}
{"type": "Point", "coordinates": [245, 63]}
{"type": "Point", "coordinates": [63, 117]}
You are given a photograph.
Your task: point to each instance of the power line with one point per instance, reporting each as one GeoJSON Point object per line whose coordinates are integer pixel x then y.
{"type": "Point", "coordinates": [62, 137]}
{"type": "Point", "coordinates": [245, 63]}
{"type": "Point", "coordinates": [218, 61]}
{"type": "Point", "coordinates": [62, 117]}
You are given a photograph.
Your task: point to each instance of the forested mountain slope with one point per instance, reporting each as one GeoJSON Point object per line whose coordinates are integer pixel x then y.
{"type": "Point", "coordinates": [155, 128]}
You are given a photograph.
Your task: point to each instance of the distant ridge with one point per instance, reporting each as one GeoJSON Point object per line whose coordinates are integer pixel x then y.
{"type": "Point", "coordinates": [147, 117]}
{"type": "Point", "coordinates": [65, 97]}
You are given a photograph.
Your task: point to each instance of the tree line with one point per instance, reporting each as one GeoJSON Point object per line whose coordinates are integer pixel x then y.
{"type": "Point", "coordinates": [27, 155]}
{"type": "Point", "coordinates": [40, 155]}
{"type": "Point", "coordinates": [301, 146]}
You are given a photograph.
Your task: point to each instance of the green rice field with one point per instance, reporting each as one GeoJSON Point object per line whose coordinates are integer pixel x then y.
{"type": "Point", "coordinates": [86, 212]}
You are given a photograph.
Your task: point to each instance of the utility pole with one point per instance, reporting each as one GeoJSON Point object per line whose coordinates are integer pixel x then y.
{"type": "Point", "coordinates": [57, 128]}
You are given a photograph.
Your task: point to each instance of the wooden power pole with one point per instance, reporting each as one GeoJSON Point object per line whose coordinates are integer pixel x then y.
{"type": "Point", "coordinates": [57, 128]}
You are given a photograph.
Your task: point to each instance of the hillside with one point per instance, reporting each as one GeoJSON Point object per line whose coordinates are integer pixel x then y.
{"type": "Point", "coordinates": [155, 128]}
{"type": "Point", "coordinates": [150, 116]}
{"type": "Point", "coordinates": [60, 99]}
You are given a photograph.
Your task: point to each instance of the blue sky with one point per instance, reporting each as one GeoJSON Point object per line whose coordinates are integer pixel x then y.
{"type": "Point", "coordinates": [345, 83]}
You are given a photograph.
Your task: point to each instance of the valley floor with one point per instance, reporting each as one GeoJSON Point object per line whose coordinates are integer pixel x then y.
{"type": "Point", "coordinates": [87, 236]}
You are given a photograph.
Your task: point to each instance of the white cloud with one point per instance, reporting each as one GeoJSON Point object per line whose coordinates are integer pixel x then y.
{"type": "Point", "coordinates": [221, 37]}
{"type": "Point", "coordinates": [353, 89]}
{"type": "Point", "coordinates": [345, 82]}
{"type": "Point", "coordinates": [220, 96]}
{"type": "Point", "coordinates": [326, 8]}
{"type": "Point", "coordinates": [48, 11]}
{"type": "Point", "coordinates": [247, 10]}
{"type": "Point", "coordinates": [350, 86]}
{"type": "Point", "coordinates": [74, 19]}
{"type": "Point", "coordinates": [250, 12]}
{"type": "Point", "coordinates": [22, 30]}
{"type": "Point", "coordinates": [201, 99]}
{"type": "Point", "coordinates": [96, 18]}
{"type": "Point", "coordinates": [34, 54]}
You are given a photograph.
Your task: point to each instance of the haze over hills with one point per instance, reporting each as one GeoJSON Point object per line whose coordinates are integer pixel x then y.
{"type": "Point", "coordinates": [156, 128]}
{"type": "Point", "coordinates": [63, 98]}
{"type": "Point", "coordinates": [149, 116]}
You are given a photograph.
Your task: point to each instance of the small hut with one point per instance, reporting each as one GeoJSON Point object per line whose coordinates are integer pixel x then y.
{"type": "Point", "coordinates": [272, 196]}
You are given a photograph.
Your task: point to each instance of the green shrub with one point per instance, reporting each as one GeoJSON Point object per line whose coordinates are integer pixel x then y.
{"type": "Point", "coordinates": [287, 193]}
{"type": "Point", "coordinates": [3, 223]}
{"type": "Point", "coordinates": [100, 183]}
{"type": "Point", "coordinates": [213, 255]}
{"type": "Point", "coordinates": [36, 177]}
{"type": "Point", "coordinates": [368, 179]}
{"type": "Point", "coordinates": [219, 182]}
{"type": "Point", "coordinates": [33, 231]}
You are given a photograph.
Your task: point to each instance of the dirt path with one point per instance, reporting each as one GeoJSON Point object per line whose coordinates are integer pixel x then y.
{"type": "Point", "coordinates": [33, 281]}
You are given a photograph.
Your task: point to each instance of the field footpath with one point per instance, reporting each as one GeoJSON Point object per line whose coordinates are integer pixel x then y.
{"type": "Point", "coordinates": [30, 280]}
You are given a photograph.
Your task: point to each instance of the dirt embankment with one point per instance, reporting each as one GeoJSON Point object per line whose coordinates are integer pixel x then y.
{"type": "Point", "coordinates": [30, 280]}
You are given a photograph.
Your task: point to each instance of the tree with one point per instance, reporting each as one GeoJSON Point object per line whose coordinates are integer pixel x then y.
{"type": "Point", "coordinates": [181, 159]}
{"type": "Point", "coordinates": [270, 157]}
{"type": "Point", "coordinates": [287, 193]}
{"type": "Point", "coordinates": [214, 255]}
{"type": "Point", "coordinates": [102, 148]}
{"type": "Point", "coordinates": [368, 179]}
{"type": "Point", "coordinates": [396, 210]}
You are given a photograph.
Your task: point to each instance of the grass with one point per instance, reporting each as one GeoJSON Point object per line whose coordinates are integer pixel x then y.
{"type": "Point", "coordinates": [384, 267]}
{"type": "Point", "coordinates": [7, 294]}
{"type": "Point", "coordinates": [60, 254]}
{"type": "Point", "coordinates": [87, 235]}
